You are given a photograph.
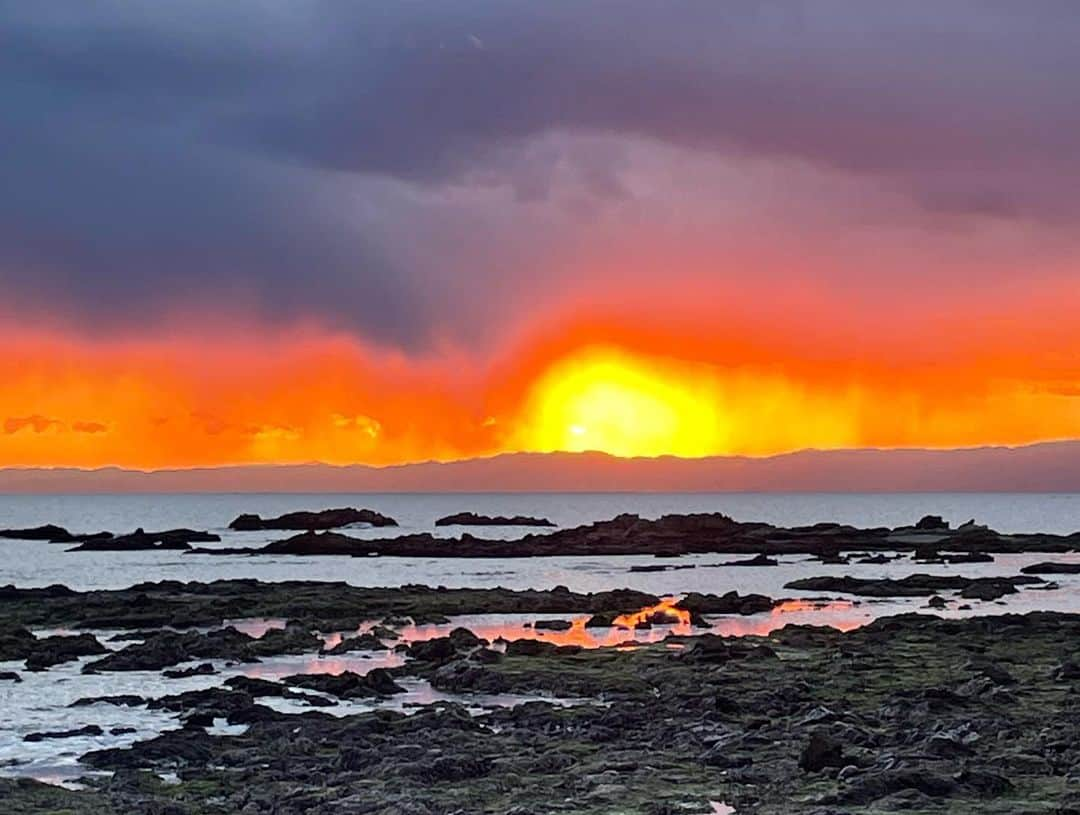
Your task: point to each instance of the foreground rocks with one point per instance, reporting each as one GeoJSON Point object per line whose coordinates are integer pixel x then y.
{"type": "Point", "coordinates": [324, 519]}
{"type": "Point", "coordinates": [172, 648]}
{"type": "Point", "coordinates": [910, 713]}
{"type": "Point", "coordinates": [312, 605]}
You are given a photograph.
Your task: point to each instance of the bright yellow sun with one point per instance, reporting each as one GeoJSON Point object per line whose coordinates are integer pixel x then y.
{"type": "Point", "coordinates": [603, 399]}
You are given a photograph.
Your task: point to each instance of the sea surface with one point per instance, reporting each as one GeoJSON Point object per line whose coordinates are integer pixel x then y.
{"type": "Point", "coordinates": [40, 702]}
{"type": "Point", "coordinates": [26, 563]}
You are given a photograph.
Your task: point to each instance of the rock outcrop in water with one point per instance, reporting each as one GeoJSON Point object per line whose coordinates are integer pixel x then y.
{"type": "Point", "coordinates": [169, 539]}
{"type": "Point", "coordinates": [472, 519]}
{"type": "Point", "coordinates": [916, 585]}
{"type": "Point", "coordinates": [42, 653]}
{"type": "Point", "coordinates": [674, 535]}
{"type": "Point", "coordinates": [302, 521]}
{"type": "Point", "coordinates": [52, 534]}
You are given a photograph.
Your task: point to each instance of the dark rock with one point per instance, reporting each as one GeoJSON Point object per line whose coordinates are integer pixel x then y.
{"type": "Point", "coordinates": [124, 700]}
{"type": "Point", "coordinates": [348, 685]}
{"type": "Point", "coordinates": [472, 519]}
{"type": "Point", "coordinates": [205, 669]}
{"type": "Point", "coordinates": [1049, 567]}
{"type": "Point", "coordinates": [553, 625]}
{"type": "Point", "coordinates": [932, 523]}
{"type": "Point", "coordinates": [52, 651]}
{"type": "Point", "coordinates": [987, 589]}
{"type": "Point", "coordinates": [169, 539]}
{"type": "Point", "coordinates": [88, 730]}
{"type": "Point", "coordinates": [730, 603]}
{"type": "Point", "coordinates": [364, 642]}
{"type": "Point", "coordinates": [324, 519]}
{"type": "Point", "coordinates": [48, 532]}
{"type": "Point", "coordinates": [820, 752]}
{"type": "Point", "coordinates": [915, 585]}
{"type": "Point", "coordinates": [760, 559]}
{"type": "Point", "coordinates": [9, 676]}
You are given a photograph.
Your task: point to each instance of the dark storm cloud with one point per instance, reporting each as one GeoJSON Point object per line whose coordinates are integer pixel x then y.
{"type": "Point", "coordinates": [215, 152]}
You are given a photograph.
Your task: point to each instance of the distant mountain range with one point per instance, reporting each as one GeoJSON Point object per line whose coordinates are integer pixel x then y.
{"type": "Point", "coordinates": [1050, 467]}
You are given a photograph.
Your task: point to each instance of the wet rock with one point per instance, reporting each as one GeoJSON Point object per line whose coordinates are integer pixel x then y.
{"type": "Point", "coordinates": [51, 651]}
{"type": "Point", "coordinates": [88, 730]}
{"type": "Point", "coordinates": [48, 532]}
{"type": "Point", "coordinates": [760, 559]}
{"type": "Point", "coordinates": [363, 642]}
{"type": "Point", "coordinates": [169, 539]}
{"type": "Point", "coordinates": [1050, 567]}
{"type": "Point", "coordinates": [533, 648]}
{"type": "Point", "coordinates": [263, 687]}
{"type": "Point", "coordinates": [730, 603]}
{"type": "Point", "coordinates": [872, 786]}
{"type": "Point", "coordinates": [9, 676]}
{"type": "Point", "coordinates": [988, 589]}
{"type": "Point", "coordinates": [820, 752]}
{"type": "Point", "coordinates": [472, 519]}
{"type": "Point", "coordinates": [324, 519]}
{"type": "Point", "coordinates": [121, 731]}
{"type": "Point", "coordinates": [438, 649]}
{"type": "Point", "coordinates": [937, 601]}
{"type": "Point", "coordinates": [172, 648]}
{"type": "Point", "coordinates": [603, 619]}
{"type": "Point", "coordinates": [205, 669]}
{"type": "Point", "coordinates": [553, 625]}
{"type": "Point", "coordinates": [1068, 670]}
{"type": "Point", "coordinates": [348, 685]}
{"type": "Point", "coordinates": [294, 638]}
{"type": "Point", "coordinates": [122, 700]}
{"type": "Point", "coordinates": [16, 643]}
{"type": "Point", "coordinates": [915, 585]}
{"type": "Point", "coordinates": [932, 523]}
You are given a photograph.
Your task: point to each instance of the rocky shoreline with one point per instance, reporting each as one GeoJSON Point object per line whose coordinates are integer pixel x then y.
{"type": "Point", "coordinates": [911, 713]}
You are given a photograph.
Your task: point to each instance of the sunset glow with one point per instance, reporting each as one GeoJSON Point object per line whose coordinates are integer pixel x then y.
{"type": "Point", "coordinates": [313, 397]}
{"type": "Point", "coordinates": [753, 260]}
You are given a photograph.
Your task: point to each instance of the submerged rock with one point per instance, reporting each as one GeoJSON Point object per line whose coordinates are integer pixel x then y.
{"type": "Point", "coordinates": [88, 730]}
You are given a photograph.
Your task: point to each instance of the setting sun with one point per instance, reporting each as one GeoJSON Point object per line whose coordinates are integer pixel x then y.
{"type": "Point", "coordinates": [603, 399]}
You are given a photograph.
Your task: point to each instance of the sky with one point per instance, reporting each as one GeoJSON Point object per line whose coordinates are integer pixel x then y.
{"type": "Point", "coordinates": [380, 233]}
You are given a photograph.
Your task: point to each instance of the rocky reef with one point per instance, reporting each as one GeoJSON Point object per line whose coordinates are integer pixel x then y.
{"type": "Point", "coordinates": [910, 713]}
{"type": "Point", "coordinates": [672, 535]}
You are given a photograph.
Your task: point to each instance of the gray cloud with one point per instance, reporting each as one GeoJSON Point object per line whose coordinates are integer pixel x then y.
{"type": "Point", "coordinates": [227, 154]}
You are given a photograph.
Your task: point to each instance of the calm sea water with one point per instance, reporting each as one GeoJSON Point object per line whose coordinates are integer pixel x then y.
{"type": "Point", "coordinates": [36, 564]}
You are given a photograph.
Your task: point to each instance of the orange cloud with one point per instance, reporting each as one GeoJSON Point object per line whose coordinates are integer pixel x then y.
{"type": "Point", "coordinates": [646, 376]}
{"type": "Point", "coordinates": [35, 423]}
